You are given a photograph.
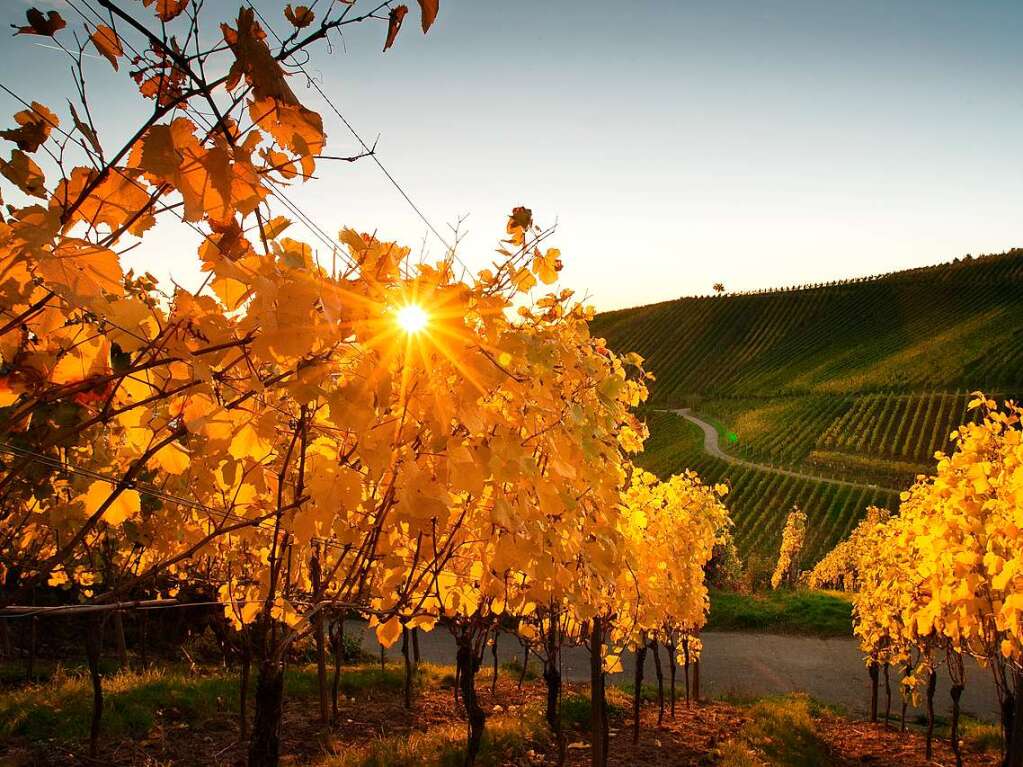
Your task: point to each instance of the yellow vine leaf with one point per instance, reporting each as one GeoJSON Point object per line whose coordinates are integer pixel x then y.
{"type": "Point", "coordinates": [126, 506]}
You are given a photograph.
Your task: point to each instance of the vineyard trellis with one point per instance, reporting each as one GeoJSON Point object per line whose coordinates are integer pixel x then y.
{"type": "Point", "coordinates": [942, 580]}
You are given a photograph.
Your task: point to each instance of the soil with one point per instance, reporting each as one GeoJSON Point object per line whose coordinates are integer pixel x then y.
{"type": "Point", "coordinates": [696, 734]}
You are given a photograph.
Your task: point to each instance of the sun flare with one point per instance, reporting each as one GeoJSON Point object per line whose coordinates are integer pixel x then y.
{"type": "Point", "coordinates": [412, 318]}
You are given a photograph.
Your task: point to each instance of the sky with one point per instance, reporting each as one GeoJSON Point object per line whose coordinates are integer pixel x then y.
{"type": "Point", "coordinates": [676, 144]}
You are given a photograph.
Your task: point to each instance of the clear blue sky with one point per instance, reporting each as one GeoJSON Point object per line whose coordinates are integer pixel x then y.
{"type": "Point", "coordinates": [676, 143]}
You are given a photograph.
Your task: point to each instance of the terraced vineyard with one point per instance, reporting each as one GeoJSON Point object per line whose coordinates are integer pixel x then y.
{"type": "Point", "coordinates": [860, 381]}
{"type": "Point", "coordinates": [759, 499]}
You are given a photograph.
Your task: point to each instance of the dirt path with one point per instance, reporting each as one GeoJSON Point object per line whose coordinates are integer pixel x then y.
{"type": "Point", "coordinates": [712, 445]}
{"type": "Point", "coordinates": [749, 665]}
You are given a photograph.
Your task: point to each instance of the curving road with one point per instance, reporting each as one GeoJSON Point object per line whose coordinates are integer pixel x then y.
{"type": "Point", "coordinates": [711, 445]}
{"type": "Point", "coordinates": [744, 665]}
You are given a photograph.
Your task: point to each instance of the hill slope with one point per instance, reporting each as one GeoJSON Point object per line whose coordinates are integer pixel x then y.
{"type": "Point", "coordinates": [944, 327]}
{"type": "Point", "coordinates": [861, 380]}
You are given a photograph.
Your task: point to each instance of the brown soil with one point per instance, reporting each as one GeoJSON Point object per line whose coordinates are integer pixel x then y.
{"type": "Point", "coordinates": [696, 733]}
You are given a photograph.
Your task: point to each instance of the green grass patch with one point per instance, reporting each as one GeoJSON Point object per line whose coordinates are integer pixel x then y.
{"type": "Point", "coordinates": [781, 732]}
{"type": "Point", "coordinates": [575, 709]}
{"type": "Point", "coordinates": [61, 708]}
{"type": "Point", "coordinates": [13, 673]}
{"type": "Point", "coordinates": [513, 668]}
{"type": "Point", "coordinates": [980, 736]}
{"type": "Point", "coordinates": [648, 692]}
{"type": "Point", "coordinates": [814, 613]}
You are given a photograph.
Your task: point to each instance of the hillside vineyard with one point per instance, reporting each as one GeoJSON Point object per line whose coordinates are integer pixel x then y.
{"type": "Point", "coordinates": [860, 381]}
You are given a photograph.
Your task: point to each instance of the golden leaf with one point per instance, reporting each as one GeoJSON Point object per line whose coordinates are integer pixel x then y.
{"type": "Point", "coordinates": [126, 506]}
{"type": "Point", "coordinates": [389, 631]}
{"type": "Point", "coordinates": [172, 458]}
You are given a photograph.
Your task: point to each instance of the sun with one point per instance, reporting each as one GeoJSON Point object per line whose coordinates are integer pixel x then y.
{"type": "Point", "coordinates": [412, 318]}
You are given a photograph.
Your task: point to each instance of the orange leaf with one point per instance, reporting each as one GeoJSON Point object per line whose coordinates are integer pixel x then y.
{"type": "Point", "coordinates": [389, 631]}
{"type": "Point", "coordinates": [173, 154]}
{"type": "Point", "coordinates": [167, 10]}
{"type": "Point", "coordinates": [82, 361]}
{"type": "Point", "coordinates": [113, 201]}
{"type": "Point", "coordinates": [523, 280]}
{"type": "Point", "coordinates": [301, 17]}
{"type": "Point", "coordinates": [428, 10]}
{"type": "Point", "coordinates": [172, 458]}
{"type": "Point", "coordinates": [394, 20]}
{"type": "Point", "coordinates": [254, 60]}
{"type": "Point", "coordinates": [85, 130]}
{"type": "Point", "coordinates": [546, 266]}
{"type": "Point", "coordinates": [22, 171]}
{"type": "Point", "coordinates": [231, 292]}
{"type": "Point", "coordinates": [82, 269]}
{"type": "Point", "coordinates": [38, 24]}
{"type": "Point", "coordinates": [34, 126]}
{"type": "Point", "coordinates": [293, 127]}
{"type": "Point", "coordinates": [106, 42]}
{"type": "Point", "coordinates": [275, 226]}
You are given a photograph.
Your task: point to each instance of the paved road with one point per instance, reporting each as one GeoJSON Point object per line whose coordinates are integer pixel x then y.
{"type": "Point", "coordinates": [740, 664]}
{"type": "Point", "coordinates": [712, 446]}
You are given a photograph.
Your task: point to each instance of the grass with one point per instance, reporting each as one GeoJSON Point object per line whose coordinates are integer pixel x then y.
{"type": "Point", "coordinates": [12, 673]}
{"type": "Point", "coordinates": [134, 701]}
{"type": "Point", "coordinates": [781, 732]}
{"type": "Point", "coordinates": [513, 668]}
{"type": "Point", "coordinates": [575, 707]}
{"type": "Point", "coordinates": [984, 737]}
{"type": "Point", "coordinates": [980, 736]}
{"type": "Point", "coordinates": [648, 692]}
{"type": "Point", "coordinates": [673, 442]}
{"type": "Point", "coordinates": [815, 613]}
{"type": "Point", "coordinates": [61, 708]}
{"type": "Point", "coordinates": [507, 737]}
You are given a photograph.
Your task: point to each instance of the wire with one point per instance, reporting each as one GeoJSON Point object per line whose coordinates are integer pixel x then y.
{"type": "Point", "coordinates": [30, 611]}
{"type": "Point", "coordinates": [370, 151]}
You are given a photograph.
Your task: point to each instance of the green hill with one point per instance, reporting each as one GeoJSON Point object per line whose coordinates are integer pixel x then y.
{"type": "Point", "coordinates": [860, 381]}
